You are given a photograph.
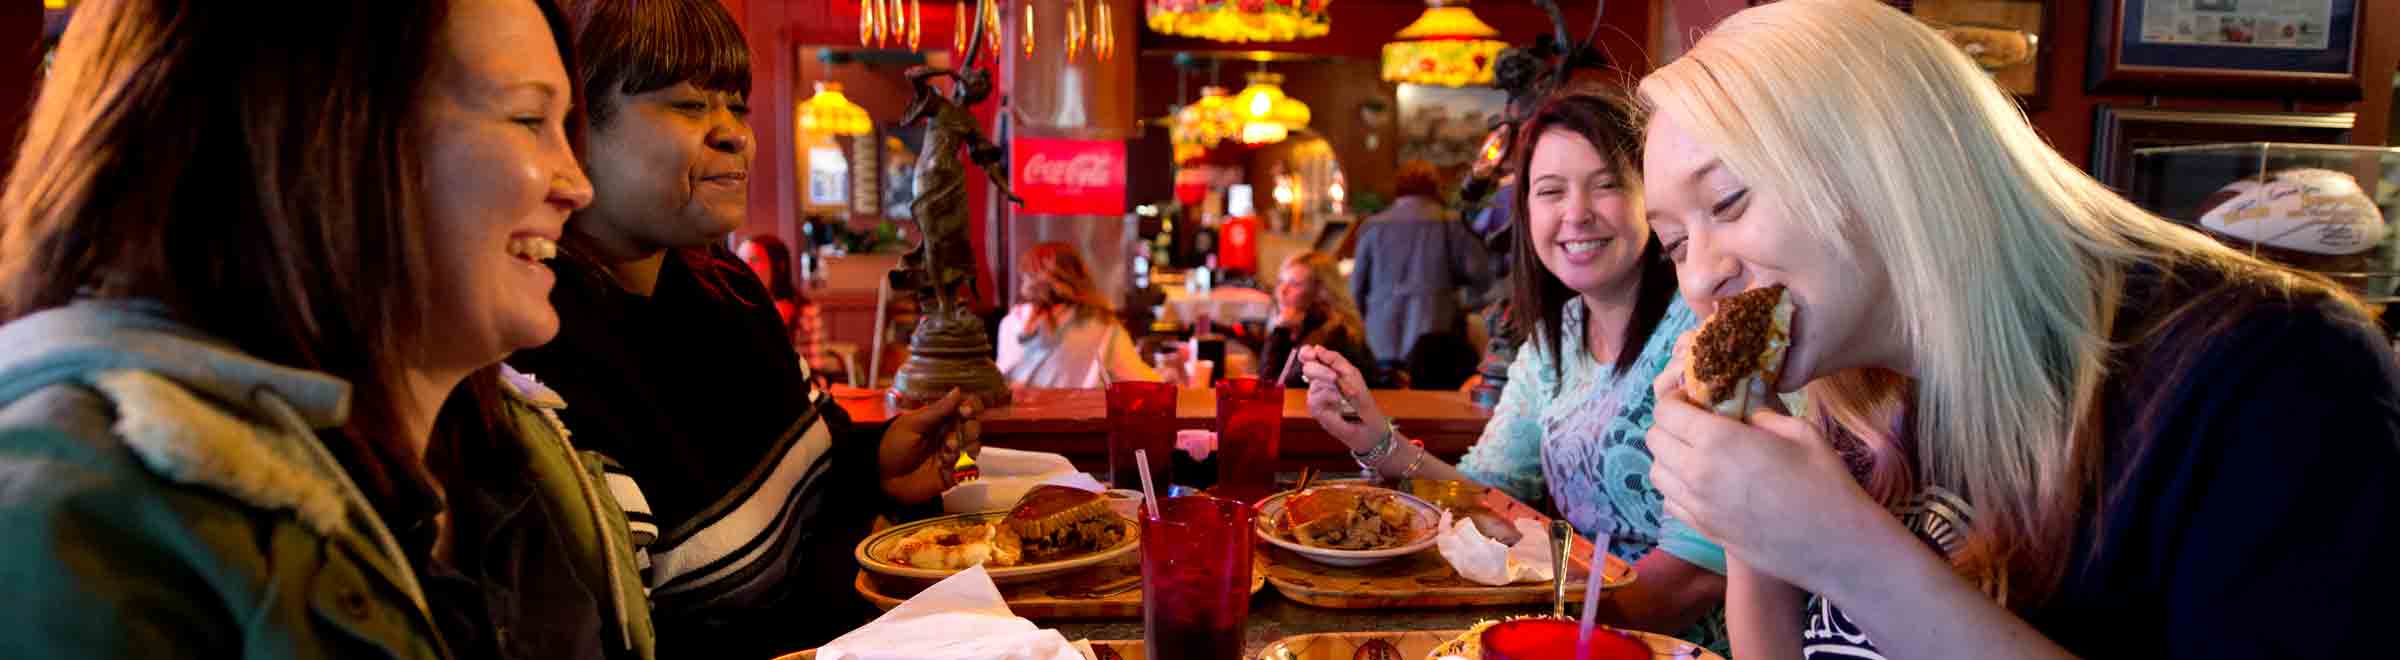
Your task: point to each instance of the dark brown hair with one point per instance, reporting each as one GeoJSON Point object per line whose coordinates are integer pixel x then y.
{"type": "Point", "coordinates": [779, 261]}
{"type": "Point", "coordinates": [257, 180]}
{"type": "Point", "coordinates": [1612, 123]}
{"type": "Point", "coordinates": [639, 46]}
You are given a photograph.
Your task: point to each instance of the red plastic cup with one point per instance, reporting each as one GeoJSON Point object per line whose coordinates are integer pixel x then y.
{"type": "Point", "coordinates": [1554, 639]}
{"type": "Point", "coordinates": [1141, 416]}
{"type": "Point", "coordinates": [1249, 431]}
{"type": "Point", "coordinates": [1196, 578]}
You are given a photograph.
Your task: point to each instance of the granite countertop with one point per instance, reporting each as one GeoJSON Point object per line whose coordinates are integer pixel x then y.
{"type": "Point", "coordinates": [1273, 617]}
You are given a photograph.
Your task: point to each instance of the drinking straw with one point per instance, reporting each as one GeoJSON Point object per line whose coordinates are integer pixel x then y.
{"type": "Point", "coordinates": [1141, 462]}
{"type": "Point", "coordinates": [1591, 595]}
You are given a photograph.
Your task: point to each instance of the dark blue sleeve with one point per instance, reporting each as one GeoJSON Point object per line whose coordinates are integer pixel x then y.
{"type": "Point", "coordinates": [2273, 515]}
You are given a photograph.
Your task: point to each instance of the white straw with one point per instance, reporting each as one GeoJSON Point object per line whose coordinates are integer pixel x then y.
{"type": "Point", "coordinates": [1141, 463]}
{"type": "Point", "coordinates": [1591, 594]}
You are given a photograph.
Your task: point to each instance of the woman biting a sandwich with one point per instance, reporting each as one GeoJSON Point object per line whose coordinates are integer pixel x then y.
{"type": "Point", "coordinates": [2053, 424]}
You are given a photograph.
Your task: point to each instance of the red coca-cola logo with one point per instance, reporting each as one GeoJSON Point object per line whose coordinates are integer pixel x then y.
{"type": "Point", "coordinates": [1087, 170]}
{"type": "Point", "coordinates": [1069, 177]}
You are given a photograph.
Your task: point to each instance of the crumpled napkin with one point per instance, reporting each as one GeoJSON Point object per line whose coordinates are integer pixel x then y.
{"type": "Point", "coordinates": [1197, 444]}
{"type": "Point", "coordinates": [1484, 561]}
{"type": "Point", "coordinates": [1007, 474]}
{"type": "Point", "coordinates": [961, 617]}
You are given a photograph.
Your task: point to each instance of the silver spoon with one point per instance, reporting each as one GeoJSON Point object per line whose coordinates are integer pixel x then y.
{"type": "Point", "coordinates": [1561, 536]}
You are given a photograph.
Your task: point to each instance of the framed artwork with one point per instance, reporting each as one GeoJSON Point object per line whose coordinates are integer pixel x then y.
{"type": "Point", "coordinates": [2117, 131]}
{"type": "Point", "coordinates": [2008, 38]}
{"type": "Point", "coordinates": [2274, 48]}
{"type": "Point", "coordinates": [1445, 125]}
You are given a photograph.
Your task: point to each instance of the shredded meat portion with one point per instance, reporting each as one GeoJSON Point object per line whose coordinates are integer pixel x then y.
{"type": "Point", "coordinates": [1374, 522]}
{"type": "Point", "coordinates": [1078, 538]}
{"type": "Point", "coordinates": [1730, 343]}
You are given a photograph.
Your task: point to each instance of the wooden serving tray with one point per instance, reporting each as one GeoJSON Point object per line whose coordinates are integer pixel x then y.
{"type": "Point", "coordinates": [1413, 645]}
{"type": "Point", "coordinates": [1421, 580]}
{"type": "Point", "coordinates": [1424, 579]}
{"type": "Point", "coordinates": [1111, 649]}
{"type": "Point", "coordinates": [1051, 599]}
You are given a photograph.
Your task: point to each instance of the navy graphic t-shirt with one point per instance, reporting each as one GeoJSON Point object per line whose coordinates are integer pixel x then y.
{"type": "Point", "coordinates": [2251, 481]}
{"type": "Point", "coordinates": [1937, 517]}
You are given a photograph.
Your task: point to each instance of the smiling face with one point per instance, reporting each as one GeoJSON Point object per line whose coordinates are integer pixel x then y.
{"type": "Point", "coordinates": [1728, 236]}
{"type": "Point", "coordinates": [672, 169]}
{"type": "Point", "coordinates": [1587, 227]}
{"type": "Point", "coordinates": [1295, 288]}
{"type": "Point", "coordinates": [501, 180]}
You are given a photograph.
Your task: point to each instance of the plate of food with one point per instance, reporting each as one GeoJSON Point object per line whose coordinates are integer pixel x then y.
{"type": "Point", "coordinates": [1052, 530]}
{"type": "Point", "coordinates": [1347, 525]}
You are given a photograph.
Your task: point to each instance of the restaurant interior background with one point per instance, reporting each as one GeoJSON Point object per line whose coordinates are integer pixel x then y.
{"type": "Point", "coordinates": [1098, 117]}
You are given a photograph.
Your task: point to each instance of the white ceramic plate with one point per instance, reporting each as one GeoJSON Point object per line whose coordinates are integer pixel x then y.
{"type": "Point", "coordinates": [873, 552]}
{"type": "Point", "coordinates": [1424, 521]}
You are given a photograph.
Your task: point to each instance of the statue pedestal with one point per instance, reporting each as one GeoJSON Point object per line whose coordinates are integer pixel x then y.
{"type": "Point", "coordinates": [946, 356]}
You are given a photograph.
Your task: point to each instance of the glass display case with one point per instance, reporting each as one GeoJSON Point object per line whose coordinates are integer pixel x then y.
{"type": "Point", "coordinates": [2320, 207]}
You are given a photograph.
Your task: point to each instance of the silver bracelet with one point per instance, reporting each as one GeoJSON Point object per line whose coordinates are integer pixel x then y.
{"type": "Point", "coordinates": [1382, 449]}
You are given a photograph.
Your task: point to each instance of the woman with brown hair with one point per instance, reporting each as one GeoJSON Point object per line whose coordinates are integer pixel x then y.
{"type": "Point", "coordinates": [1598, 320]}
{"type": "Point", "coordinates": [1062, 331]}
{"type": "Point", "coordinates": [1312, 308]}
{"type": "Point", "coordinates": [258, 282]}
{"type": "Point", "coordinates": [771, 261]}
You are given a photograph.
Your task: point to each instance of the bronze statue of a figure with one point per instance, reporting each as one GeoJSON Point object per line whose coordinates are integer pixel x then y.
{"type": "Point", "coordinates": [949, 348]}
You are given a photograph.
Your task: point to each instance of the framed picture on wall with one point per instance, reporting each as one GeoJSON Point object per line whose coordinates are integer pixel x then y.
{"type": "Point", "coordinates": [2275, 48]}
{"type": "Point", "coordinates": [2117, 131]}
{"type": "Point", "coordinates": [2005, 37]}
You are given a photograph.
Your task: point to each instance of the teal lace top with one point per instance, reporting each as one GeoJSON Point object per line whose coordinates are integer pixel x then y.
{"type": "Point", "coordinates": [1576, 437]}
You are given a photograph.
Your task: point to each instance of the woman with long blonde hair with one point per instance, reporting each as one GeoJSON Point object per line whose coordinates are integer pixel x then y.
{"type": "Point", "coordinates": [1063, 332]}
{"type": "Point", "coordinates": [2054, 423]}
{"type": "Point", "coordinates": [1313, 308]}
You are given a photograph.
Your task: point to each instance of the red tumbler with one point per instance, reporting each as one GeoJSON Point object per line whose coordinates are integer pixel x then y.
{"type": "Point", "coordinates": [1141, 416]}
{"type": "Point", "coordinates": [1196, 578]}
{"type": "Point", "coordinates": [1249, 430]}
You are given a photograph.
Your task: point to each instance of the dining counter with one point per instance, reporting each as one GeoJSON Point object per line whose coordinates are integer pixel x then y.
{"type": "Point", "coordinates": [1074, 423]}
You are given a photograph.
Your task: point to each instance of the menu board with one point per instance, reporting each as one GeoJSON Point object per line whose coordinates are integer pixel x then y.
{"type": "Point", "coordinates": [2283, 24]}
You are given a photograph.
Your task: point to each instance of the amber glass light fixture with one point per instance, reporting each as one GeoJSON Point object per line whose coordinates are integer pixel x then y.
{"type": "Point", "coordinates": [1240, 21]}
{"type": "Point", "coordinates": [831, 113]}
{"type": "Point", "coordinates": [1268, 115]}
{"type": "Point", "coordinates": [1447, 46]}
{"type": "Point", "coordinates": [1203, 124]}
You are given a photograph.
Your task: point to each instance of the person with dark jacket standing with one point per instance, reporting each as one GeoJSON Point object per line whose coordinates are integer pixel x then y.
{"type": "Point", "coordinates": [679, 368]}
{"type": "Point", "coordinates": [1412, 260]}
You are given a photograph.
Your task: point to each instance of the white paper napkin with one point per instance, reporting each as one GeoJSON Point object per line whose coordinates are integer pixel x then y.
{"type": "Point", "coordinates": [961, 617]}
{"type": "Point", "coordinates": [1196, 443]}
{"type": "Point", "coordinates": [1006, 474]}
{"type": "Point", "coordinates": [1484, 561]}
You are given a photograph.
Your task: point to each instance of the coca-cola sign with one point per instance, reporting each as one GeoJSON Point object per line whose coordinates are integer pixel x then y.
{"type": "Point", "coordinates": [1069, 177]}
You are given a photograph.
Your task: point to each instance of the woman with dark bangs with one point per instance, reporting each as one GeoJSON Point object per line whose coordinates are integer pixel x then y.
{"type": "Point", "coordinates": [258, 282]}
{"type": "Point", "coordinates": [680, 368]}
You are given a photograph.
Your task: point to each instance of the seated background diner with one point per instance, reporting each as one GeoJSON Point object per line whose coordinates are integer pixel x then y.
{"type": "Point", "coordinates": [1062, 333]}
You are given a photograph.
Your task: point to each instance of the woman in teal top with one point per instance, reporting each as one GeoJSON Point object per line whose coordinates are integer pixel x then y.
{"type": "Point", "coordinates": [1600, 319]}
